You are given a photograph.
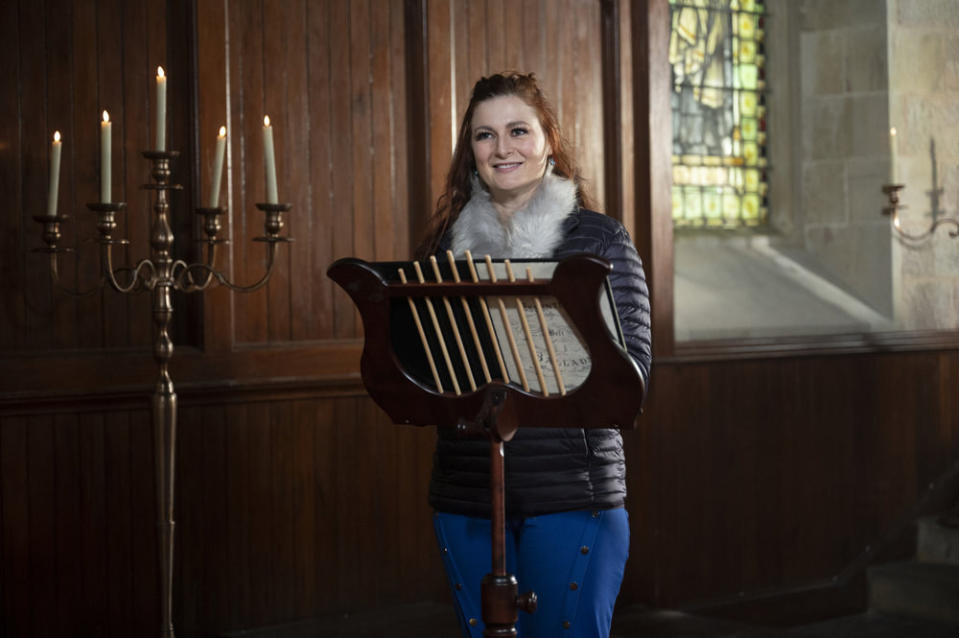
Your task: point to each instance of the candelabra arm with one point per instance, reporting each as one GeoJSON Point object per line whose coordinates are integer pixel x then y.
{"type": "Point", "coordinates": [210, 261]}
{"type": "Point", "coordinates": [931, 230]}
{"type": "Point", "coordinates": [55, 276]}
{"type": "Point", "coordinates": [184, 279]}
{"type": "Point", "coordinates": [51, 237]}
{"type": "Point", "coordinates": [136, 278]}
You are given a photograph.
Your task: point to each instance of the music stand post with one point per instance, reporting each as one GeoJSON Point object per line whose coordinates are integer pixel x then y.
{"type": "Point", "coordinates": [497, 409]}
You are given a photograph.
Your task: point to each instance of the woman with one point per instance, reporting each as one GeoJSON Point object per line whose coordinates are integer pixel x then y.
{"type": "Point", "coordinates": [514, 191]}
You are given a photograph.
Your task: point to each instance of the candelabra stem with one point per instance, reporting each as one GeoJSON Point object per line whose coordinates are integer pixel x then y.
{"type": "Point", "coordinates": [164, 430]}
{"type": "Point", "coordinates": [164, 397]}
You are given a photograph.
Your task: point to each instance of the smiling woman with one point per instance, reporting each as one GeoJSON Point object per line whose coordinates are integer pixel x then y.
{"type": "Point", "coordinates": [514, 191]}
{"type": "Point", "coordinates": [510, 151]}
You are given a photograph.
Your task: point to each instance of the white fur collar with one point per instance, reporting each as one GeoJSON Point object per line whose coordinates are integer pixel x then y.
{"type": "Point", "coordinates": [532, 232]}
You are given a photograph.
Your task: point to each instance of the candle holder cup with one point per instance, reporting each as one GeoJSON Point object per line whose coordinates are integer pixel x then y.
{"type": "Point", "coordinates": [273, 222]}
{"type": "Point", "coordinates": [211, 225]}
{"type": "Point", "coordinates": [892, 194]}
{"type": "Point", "coordinates": [51, 234]}
{"type": "Point", "coordinates": [107, 221]}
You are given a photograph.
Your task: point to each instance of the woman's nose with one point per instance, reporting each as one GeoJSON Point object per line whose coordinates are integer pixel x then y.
{"type": "Point", "coordinates": [503, 146]}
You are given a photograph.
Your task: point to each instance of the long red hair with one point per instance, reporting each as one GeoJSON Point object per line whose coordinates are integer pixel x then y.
{"type": "Point", "coordinates": [459, 179]}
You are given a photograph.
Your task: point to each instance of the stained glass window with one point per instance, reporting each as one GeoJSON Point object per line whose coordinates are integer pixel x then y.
{"type": "Point", "coordinates": [719, 113]}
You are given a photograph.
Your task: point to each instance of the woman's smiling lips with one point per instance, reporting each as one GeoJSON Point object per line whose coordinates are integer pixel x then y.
{"type": "Point", "coordinates": [508, 166]}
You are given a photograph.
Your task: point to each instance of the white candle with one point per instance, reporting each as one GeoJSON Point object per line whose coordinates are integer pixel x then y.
{"type": "Point", "coordinates": [893, 173]}
{"type": "Point", "coordinates": [218, 167]}
{"type": "Point", "coordinates": [105, 144]}
{"type": "Point", "coordinates": [269, 161]}
{"type": "Point", "coordinates": [54, 175]}
{"type": "Point", "coordinates": [161, 110]}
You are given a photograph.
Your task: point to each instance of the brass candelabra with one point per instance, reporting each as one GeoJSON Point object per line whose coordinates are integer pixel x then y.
{"type": "Point", "coordinates": [162, 274]}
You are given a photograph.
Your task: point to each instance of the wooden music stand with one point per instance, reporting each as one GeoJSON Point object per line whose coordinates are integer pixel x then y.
{"type": "Point", "coordinates": [611, 395]}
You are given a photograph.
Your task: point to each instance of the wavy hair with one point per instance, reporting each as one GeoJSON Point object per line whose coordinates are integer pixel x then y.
{"type": "Point", "coordinates": [459, 179]}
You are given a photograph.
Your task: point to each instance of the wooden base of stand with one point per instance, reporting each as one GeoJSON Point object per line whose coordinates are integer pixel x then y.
{"type": "Point", "coordinates": [499, 590]}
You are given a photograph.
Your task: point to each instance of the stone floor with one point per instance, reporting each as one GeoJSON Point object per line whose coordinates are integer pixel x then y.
{"type": "Point", "coordinates": [664, 624]}
{"type": "Point", "coordinates": [438, 621]}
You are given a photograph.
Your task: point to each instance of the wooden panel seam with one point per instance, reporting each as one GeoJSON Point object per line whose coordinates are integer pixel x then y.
{"type": "Point", "coordinates": [194, 394]}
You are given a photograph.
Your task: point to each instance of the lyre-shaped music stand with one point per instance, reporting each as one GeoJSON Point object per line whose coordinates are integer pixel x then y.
{"type": "Point", "coordinates": [610, 396]}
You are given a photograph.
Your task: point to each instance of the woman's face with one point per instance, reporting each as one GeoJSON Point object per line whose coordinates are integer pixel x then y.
{"type": "Point", "coordinates": [509, 147]}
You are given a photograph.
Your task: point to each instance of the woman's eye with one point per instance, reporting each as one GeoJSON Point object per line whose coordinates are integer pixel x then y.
{"type": "Point", "coordinates": [519, 130]}
{"type": "Point", "coordinates": [482, 135]}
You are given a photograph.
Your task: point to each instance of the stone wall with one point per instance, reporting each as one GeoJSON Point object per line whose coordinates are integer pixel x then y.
{"type": "Point", "coordinates": [841, 73]}
{"type": "Point", "coordinates": [924, 107]}
{"type": "Point", "coordinates": [843, 150]}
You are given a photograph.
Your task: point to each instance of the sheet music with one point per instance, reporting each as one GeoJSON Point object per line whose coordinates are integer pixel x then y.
{"type": "Point", "coordinates": [572, 356]}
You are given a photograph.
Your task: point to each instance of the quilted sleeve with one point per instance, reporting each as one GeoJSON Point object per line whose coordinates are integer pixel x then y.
{"type": "Point", "coordinates": [631, 295]}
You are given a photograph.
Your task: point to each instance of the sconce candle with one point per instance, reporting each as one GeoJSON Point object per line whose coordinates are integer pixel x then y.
{"type": "Point", "coordinates": [893, 173]}
{"type": "Point", "coordinates": [161, 110]}
{"type": "Point", "coordinates": [269, 161]}
{"type": "Point", "coordinates": [54, 175]}
{"type": "Point", "coordinates": [218, 168]}
{"type": "Point", "coordinates": [105, 144]}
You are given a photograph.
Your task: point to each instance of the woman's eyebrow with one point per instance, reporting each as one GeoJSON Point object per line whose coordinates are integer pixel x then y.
{"type": "Point", "coordinates": [508, 125]}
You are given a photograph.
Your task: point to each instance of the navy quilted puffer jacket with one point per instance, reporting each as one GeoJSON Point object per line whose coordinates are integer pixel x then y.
{"type": "Point", "coordinates": [551, 470]}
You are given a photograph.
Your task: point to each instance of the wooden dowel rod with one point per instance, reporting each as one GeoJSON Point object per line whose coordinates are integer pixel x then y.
{"type": "Point", "coordinates": [456, 330]}
{"type": "Point", "coordinates": [526, 332]}
{"type": "Point", "coordinates": [469, 318]}
{"type": "Point", "coordinates": [549, 340]}
{"type": "Point", "coordinates": [489, 321]}
{"type": "Point", "coordinates": [439, 332]}
{"type": "Point", "coordinates": [419, 329]}
{"type": "Point", "coordinates": [509, 330]}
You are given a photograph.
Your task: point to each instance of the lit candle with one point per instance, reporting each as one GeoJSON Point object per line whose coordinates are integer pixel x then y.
{"type": "Point", "coordinates": [54, 175]}
{"type": "Point", "coordinates": [218, 167]}
{"type": "Point", "coordinates": [105, 143]}
{"type": "Point", "coordinates": [893, 176]}
{"type": "Point", "coordinates": [269, 161]}
{"type": "Point", "coordinates": [161, 110]}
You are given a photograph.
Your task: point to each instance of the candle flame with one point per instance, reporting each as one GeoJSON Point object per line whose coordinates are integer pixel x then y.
{"type": "Point", "coordinates": [222, 131]}
{"type": "Point", "coordinates": [895, 222]}
{"type": "Point", "coordinates": [160, 73]}
{"type": "Point", "coordinates": [892, 131]}
{"type": "Point", "coordinates": [266, 120]}
{"type": "Point", "coordinates": [106, 116]}
{"type": "Point", "coordinates": [56, 136]}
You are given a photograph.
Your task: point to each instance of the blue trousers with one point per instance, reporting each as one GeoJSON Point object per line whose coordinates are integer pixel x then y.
{"type": "Point", "coordinates": [574, 561]}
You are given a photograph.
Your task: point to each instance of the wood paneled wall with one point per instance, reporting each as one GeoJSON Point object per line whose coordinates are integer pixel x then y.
{"type": "Point", "coordinates": [332, 74]}
{"type": "Point", "coordinates": [78, 543]}
{"type": "Point", "coordinates": [294, 496]}
{"type": "Point", "coordinates": [294, 508]}
{"type": "Point", "coordinates": [752, 476]}
{"type": "Point", "coordinates": [66, 62]}
{"type": "Point", "coordinates": [561, 42]}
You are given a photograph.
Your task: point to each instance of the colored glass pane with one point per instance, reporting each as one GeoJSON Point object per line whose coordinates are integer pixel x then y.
{"type": "Point", "coordinates": [716, 54]}
{"type": "Point", "coordinates": [730, 205]}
